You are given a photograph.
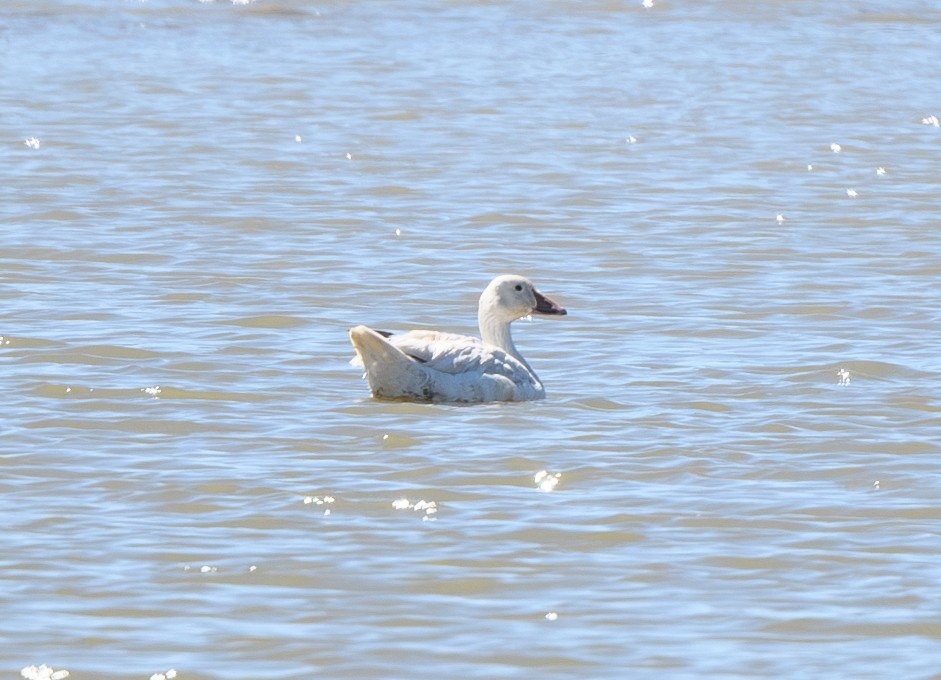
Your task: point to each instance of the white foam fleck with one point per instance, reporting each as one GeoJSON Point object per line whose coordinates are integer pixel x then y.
{"type": "Point", "coordinates": [836, 148]}
{"type": "Point", "coordinates": [780, 218]}
{"type": "Point", "coordinates": [880, 170]}
{"type": "Point", "coordinates": [552, 616]}
{"type": "Point", "coordinates": [931, 120]}
{"type": "Point", "coordinates": [298, 139]}
{"type": "Point", "coordinates": [32, 142]}
{"type": "Point", "coordinates": [843, 376]}
{"type": "Point", "coordinates": [852, 193]}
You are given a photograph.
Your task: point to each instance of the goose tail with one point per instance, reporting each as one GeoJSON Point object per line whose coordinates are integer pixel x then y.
{"type": "Point", "coordinates": [391, 373]}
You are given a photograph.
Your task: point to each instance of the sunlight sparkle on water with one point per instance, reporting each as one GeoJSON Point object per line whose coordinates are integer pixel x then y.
{"type": "Point", "coordinates": [168, 675]}
{"type": "Point", "coordinates": [546, 481]}
{"type": "Point", "coordinates": [43, 672]}
{"type": "Point", "coordinates": [317, 500]}
{"type": "Point", "coordinates": [428, 507]}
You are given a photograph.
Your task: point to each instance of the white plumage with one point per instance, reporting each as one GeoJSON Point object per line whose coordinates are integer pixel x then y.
{"type": "Point", "coordinates": [446, 367]}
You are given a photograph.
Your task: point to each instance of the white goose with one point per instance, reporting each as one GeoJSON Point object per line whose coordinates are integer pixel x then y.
{"type": "Point", "coordinates": [446, 367]}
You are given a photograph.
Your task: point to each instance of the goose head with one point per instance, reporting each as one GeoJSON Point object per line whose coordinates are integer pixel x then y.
{"type": "Point", "coordinates": [511, 297]}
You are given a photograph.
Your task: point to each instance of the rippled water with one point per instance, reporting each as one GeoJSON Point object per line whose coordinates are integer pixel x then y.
{"type": "Point", "coordinates": [743, 411]}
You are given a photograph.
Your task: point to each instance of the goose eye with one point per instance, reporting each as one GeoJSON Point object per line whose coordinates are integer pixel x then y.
{"type": "Point", "coordinates": [519, 286]}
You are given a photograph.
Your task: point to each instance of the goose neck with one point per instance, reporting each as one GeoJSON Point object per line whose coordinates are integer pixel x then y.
{"type": "Point", "coordinates": [497, 333]}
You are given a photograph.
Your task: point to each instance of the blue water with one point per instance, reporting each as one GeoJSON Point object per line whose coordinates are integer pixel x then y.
{"type": "Point", "coordinates": [198, 199]}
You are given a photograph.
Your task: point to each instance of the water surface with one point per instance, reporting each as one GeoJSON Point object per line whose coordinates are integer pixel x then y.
{"type": "Point", "coordinates": [743, 405]}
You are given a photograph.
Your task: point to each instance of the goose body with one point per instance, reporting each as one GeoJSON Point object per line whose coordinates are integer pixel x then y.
{"type": "Point", "coordinates": [427, 365]}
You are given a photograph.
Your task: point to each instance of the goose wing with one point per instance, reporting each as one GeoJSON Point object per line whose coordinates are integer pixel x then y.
{"type": "Point", "coordinates": [454, 353]}
{"type": "Point", "coordinates": [446, 367]}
